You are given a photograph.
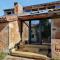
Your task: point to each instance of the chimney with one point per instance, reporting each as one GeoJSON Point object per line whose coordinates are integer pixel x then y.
{"type": "Point", "coordinates": [18, 9]}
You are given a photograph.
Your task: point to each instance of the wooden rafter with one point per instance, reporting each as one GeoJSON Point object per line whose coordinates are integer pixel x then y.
{"type": "Point", "coordinates": [39, 16]}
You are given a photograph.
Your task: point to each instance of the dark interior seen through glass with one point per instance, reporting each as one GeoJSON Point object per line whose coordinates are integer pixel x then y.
{"type": "Point", "coordinates": [40, 31]}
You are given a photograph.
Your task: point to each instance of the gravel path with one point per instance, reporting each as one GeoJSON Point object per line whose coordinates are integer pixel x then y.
{"type": "Point", "coordinates": [8, 57]}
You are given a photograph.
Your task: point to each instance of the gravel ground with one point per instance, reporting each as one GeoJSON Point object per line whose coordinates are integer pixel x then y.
{"type": "Point", "coordinates": [8, 57]}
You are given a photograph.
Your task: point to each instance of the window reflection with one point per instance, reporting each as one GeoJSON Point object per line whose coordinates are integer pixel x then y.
{"type": "Point", "coordinates": [40, 31]}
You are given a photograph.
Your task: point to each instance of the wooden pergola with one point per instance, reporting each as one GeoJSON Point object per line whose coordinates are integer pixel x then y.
{"type": "Point", "coordinates": [36, 17]}
{"type": "Point", "coordinates": [10, 18]}
{"type": "Point", "coordinates": [31, 17]}
{"type": "Point", "coordinates": [7, 19]}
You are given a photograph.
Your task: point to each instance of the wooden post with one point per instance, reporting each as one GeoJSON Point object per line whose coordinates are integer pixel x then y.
{"type": "Point", "coordinates": [30, 32]}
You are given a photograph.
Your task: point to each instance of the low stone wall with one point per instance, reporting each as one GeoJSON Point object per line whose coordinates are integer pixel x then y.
{"type": "Point", "coordinates": [55, 47]}
{"type": "Point", "coordinates": [40, 49]}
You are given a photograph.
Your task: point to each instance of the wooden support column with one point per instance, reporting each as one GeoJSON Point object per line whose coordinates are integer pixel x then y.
{"type": "Point", "coordinates": [21, 30]}
{"type": "Point", "coordinates": [29, 31]}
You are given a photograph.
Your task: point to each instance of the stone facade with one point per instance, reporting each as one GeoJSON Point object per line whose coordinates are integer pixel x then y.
{"type": "Point", "coordinates": [3, 36]}
{"type": "Point", "coordinates": [10, 33]}
{"type": "Point", "coordinates": [18, 9]}
{"type": "Point", "coordinates": [55, 26]}
{"type": "Point", "coordinates": [55, 41]}
{"type": "Point", "coordinates": [55, 48]}
{"type": "Point", "coordinates": [25, 34]}
{"type": "Point", "coordinates": [14, 34]}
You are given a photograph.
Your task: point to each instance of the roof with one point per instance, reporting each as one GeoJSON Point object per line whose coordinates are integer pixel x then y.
{"type": "Point", "coordinates": [38, 6]}
{"type": "Point", "coordinates": [9, 9]}
{"type": "Point", "coordinates": [24, 17]}
{"type": "Point", "coordinates": [8, 18]}
{"type": "Point", "coordinates": [42, 5]}
{"type": "Point", "coordinates": [45, 3]}
{"type": "Point", "coordinates": [11, 18]}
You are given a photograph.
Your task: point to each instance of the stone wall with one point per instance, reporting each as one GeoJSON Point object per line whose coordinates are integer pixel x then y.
{"type": "Point", "coordinates": [25, 34]}
{"type": "Point", "coordinates": [10, 34]}
{"type": "Point", "coordinates": [18, 9]}
{"type": "Point", "coordinates": [55, 49]}
{"type": "Point", "coordinates": [55, 41]}
{"type": "Point", "coordinates": [14, 34]}
{"type": "Point", "coordinates": [55, 28]}
{"type": "Point", "coordinates": [4, 37]}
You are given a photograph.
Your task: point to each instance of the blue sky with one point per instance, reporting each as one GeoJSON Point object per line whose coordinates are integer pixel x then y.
{"type": "Point", "coordinates": [5, 4]}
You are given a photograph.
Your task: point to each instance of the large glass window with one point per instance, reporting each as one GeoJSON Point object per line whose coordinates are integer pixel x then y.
{"type": "Point", "coordinates": [40, 31]}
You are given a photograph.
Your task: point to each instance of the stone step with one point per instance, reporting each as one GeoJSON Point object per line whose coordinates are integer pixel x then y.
{"type": "Point", "coordinates": [29, 55]}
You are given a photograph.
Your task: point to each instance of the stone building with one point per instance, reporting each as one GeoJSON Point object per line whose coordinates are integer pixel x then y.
{"type": "Point", "coordinates": [15, 25]}
{"type": "Point", "coordinates": [10, 28]}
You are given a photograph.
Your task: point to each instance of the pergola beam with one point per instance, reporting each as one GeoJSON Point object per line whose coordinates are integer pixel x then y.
{"type": "Point", "coordinates": [39, 16]}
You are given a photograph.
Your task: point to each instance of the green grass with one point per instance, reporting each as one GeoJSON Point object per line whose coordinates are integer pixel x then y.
{"type": "Point", "coordinates": [2, 55]}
